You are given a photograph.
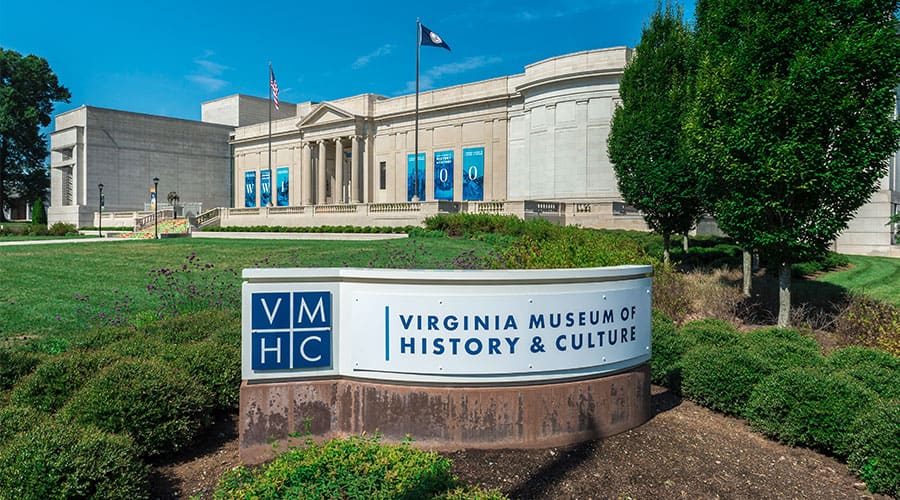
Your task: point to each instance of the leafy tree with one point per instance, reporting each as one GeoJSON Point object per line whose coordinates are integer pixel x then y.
{"type": "Point", "coordinates": [28, 89]}
{"type": "Point", "coordinates": [793, 119]}
{"type": "Point", "coordinates": [646, 140]}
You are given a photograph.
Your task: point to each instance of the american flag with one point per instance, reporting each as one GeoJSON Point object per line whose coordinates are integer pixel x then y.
{"type": "Point", "coordinates": [274, 85]}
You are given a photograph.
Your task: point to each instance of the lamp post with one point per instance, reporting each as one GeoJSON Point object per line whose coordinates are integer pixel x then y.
{"type": "Point", "coordinates": [156, 208]}
{"type": "Point", "coordinates": [100, 218]}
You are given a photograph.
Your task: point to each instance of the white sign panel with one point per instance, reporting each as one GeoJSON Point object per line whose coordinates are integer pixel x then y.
{"type": "Point", "coordinates": [440, 326]}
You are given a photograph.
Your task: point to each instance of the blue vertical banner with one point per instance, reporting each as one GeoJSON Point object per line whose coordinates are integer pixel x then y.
{"type": "Point", "coordinates": [411, 177]}
{"type": "Point", "coordinates": [281, 178]}
{"type": "Point", "coordinates": [443, 175]}
{"type": "Point", "coordinates": [265, 188]}
{"type": "Point", "coordinates": [249, 189]}
{"type": "Point", "coordinates": [473, 174]}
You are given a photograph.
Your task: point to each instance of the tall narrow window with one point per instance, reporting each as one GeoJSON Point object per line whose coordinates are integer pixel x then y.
{"type": "Point", "coordinates": [382, 175]}
{"type": "Point", "coordinates": [67, 185]}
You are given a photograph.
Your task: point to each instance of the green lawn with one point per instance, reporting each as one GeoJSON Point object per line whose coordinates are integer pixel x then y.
{"type": "Point", "coordinates": [38, 283]}
{"type": "Point", "coordinates": [878, 277]}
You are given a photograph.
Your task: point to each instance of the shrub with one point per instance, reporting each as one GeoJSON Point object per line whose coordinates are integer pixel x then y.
{"type": "Point", "coordinates": [158, 404]}
{"type": "Point", "coordinates": [669, 286]}
{"type": "Point", "coordinates": [15, 364]}
{"type": "Point", "coordinates": [64, 461]}
{"type": "Point", "coordinates": [142, 346]}
{"type": "Point", "coordinates": [827, 262]}
{"type": "Point", "coordinates": [217, 367]}
{"type": "Point", "coordinates": [38, 214]}
{"type": "Point", "coordinates": [62, 229]}
{"type": "Point", "coordinates": [463, 224]}
{"type": "Point", "coordinates": [783, 348]}
{"type": "Point", "coordinates": [192, 327]}
{"type": "Point", "coordinates": [877, 370]}
{"type": "Point", "coordinates": [15, 419]}
{"type": "Point", "coordinates": [58, 378]}
{"type": "Point", "coordinates": [573, 247]}
{"type": "Point", "coordinates": [805, 406]}
{"type": "Point", "coordinates": [714, 332]}
{"type": "Point", "coordinates": [100, 337]}
{"type": "Point", "coordinates": [471, 493]}
{"type": "Point", "coordinates": [721, 378]}
{"type": "Point", "coordinates": [876, 447]}
{"type": "Point", "coordinates": [869, 322]}
{"type": "Point", "coordinates": [355, 467]}
{"type": "Point", "coordinates": [667, 348]}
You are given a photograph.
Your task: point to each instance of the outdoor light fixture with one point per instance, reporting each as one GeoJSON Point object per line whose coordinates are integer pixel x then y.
{"type": "Point", "coordinates": [156, 208]}
{"type": "Point", "coordinates": [100, 218]}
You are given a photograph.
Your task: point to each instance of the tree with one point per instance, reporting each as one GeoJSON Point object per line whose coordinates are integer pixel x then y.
{"type": "Point", "coordinates": [28, 89]}
{"type": "Point", "coordinates": [646, 139]}
{"type": "Point", "coordinates": [38, 215]}
{"type": "Point", "coordinates": [793, 119]}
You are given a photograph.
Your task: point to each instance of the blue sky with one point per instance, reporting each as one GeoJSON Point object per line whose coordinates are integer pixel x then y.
{"type": "Point", "coordinates": [166, 57]}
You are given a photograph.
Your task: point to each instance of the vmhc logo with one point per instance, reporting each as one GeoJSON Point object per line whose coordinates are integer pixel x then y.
{"type": "Point", "coordinates": [290, 330]}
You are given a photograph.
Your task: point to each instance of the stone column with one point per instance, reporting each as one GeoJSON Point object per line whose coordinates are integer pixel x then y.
{"type": "Point", "coordinates": [320, 187]}
{"type": "Point", "coordinates": [367, 178]}
{"type": "Point", "coordinates": [306, 176]}
{"type": "Point", "coordinates": [338, 196]}
{"type": "Point", "coordinates": [354, 169]}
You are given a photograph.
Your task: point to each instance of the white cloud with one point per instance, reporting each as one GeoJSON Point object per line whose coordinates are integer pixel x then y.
{"type": "Point", "coordinates": [362, 61]}
{"type": "Point", "coordinates": [427, 79]}
{"type": "Point", "coordinates": [208, 72]}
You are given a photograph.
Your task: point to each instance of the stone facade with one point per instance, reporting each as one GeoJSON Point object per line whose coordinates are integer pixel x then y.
{"type": "Point", "coordinates": [124, 151]}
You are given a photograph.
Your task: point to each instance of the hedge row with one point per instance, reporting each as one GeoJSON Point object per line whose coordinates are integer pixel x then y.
{"type": "Point", "coordinates": [780, 381]}
{"type": "Point", "coordinates": [80, 424]}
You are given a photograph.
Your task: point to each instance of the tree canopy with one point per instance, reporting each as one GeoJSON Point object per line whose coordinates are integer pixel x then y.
{"type": "Point", "coordinates": [28, 89]}
{"type": "Point", "coordinates": [793, 121]}
{"type": "Point", "coordinates": [647, 143]}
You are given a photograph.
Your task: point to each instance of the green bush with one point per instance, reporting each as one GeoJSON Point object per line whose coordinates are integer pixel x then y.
{"type": "Point", "coordinates": [877, 370]}
{"type": "Point", "coordinates": [721, 378]}
{"type": "Point", "coordinates": [869, 322]}
{"type": "Point", "coordinates": [463, 224]}
{"type": "Point", "coordinates": [16, 419]}
{"type": "Point", "coordinates": [471, 493]}
{"type": "Point", "coordinates": [58, 378]}
{"type": "Point", "coordinates": [783, 348]}
{"type": "Point", "coordinates": [62, 461]}
{"type": "Point", "coordinates": [573, 247]}
{"type": "Point", "coordinates": [157, 404]}
{"type": "Point", "coordinates": [38, 214]}
{"type": "Point", "coordinates": [100, 337]}
{"type": "Point", "coordinates": [876, 447]}
{"type": "Point", "coordinates": [144, 346]}
{"type": "Point", "coordinates": [191, 327]}
{"type": "Point", "coordinates": [827, 262]}
{"type": "Point", "coordinates": [355, 467]}
{"type": "Point", "coordinates": [216, 366]}
{"type": "Point", "coordinates": [15, 364]}
{"type": "Point", "coordinates": [713, 332]}
{"type": "Point", "coordinates": [667, 348]}
{"type": "Point", "coordinates": [62, 229]}
{"type": "Point", "coordinates": [810, 407]}
{"type": "Point", "coordinates": [670, 294]}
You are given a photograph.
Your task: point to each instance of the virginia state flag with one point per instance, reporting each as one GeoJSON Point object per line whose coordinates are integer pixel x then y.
{"type": "Point", "coordinates": [431, 38]}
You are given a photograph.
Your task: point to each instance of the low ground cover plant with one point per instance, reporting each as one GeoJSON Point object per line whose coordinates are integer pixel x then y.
{"type": "Point", "coordinates": [353, 467]}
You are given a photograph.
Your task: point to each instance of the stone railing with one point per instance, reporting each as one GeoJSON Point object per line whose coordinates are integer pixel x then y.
{"type": "Point", "coordinates": [150, 219]}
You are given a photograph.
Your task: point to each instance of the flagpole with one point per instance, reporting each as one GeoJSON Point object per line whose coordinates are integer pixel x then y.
{"type": "Point", "coordinates": [270, 120]}
{"type": "Point", "coordinates": [415, 196]}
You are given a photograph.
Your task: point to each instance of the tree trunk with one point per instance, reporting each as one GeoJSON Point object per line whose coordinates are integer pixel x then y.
{"type": "Point", "coordinates": [666, 243]}
{"type": "Point", "coordinates": [748, 272]}
{"type": "Point", "coordinates": [784, 295]}
{"type": "Point", "coordinates": [685, 243]}
{"type": "Point", "coordinates": [2, 169]}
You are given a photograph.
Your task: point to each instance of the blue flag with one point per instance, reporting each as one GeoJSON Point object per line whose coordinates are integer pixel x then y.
{"type": "Point", "coordinates": [431, 38]}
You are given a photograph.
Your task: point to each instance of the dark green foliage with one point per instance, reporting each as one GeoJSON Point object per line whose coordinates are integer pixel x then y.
{"type": "Point", "coordinates": [810, 407]}
{"type": "Point", "coordinates": [463, 224]}
{"type": "Point", "coordinates": [471, 493]}
{"type": "Point", "coordinates": [160, 406]}
{"type": "Point", "coordinates": [15, 364]}
{"type": "Point", "coordinates": [877, 370]}
{"type": "Point", "coordinates": [62, 229]}
{"type": "Point", "coordinates": [63, 461]}
{"type": "Point", "coordinates": [354, 467]}
{"type": "Point", "coordinates": [721, 378]}
{"type": "Point", "coordinates": [667, 348]}
{"type": "Point", "coordinates": [784, 348]}
{"type": "Point", "coordinates": [15, 419]}
{"type": "Point", "coordinates": [142, 346]}
{"type": "Point", "coordinates": [712, 332]}
{"type": "Point", "coordinates": [876, 447]}
{"type": "Point", "coordinates": [216, 366]}
{"type": "Point", "coordinates": [58, 378]}
{"type": "Point", "coordinates": [38, 214]}
{"type": "Point", "coordinates": [654, 170]}
{"type": "Point", "coordinates": [98, 338]}
{"type": "Point", "coordinates": [194, 326]}
{"type": "Point", "coordinates": [827, 262]}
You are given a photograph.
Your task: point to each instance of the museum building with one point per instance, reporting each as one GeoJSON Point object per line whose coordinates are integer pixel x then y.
{"type": "Point", "coordinates": [531, 144]}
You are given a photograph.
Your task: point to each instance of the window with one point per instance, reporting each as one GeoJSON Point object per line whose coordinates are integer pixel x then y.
{"type": "Point", "coordinates": [382, 175]}
{"type": "Point", "coordinates": [67, 185]}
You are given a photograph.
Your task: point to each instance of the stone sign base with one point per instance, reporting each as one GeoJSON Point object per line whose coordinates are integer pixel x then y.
{"type": "Point", "coordinates": [441, 417]}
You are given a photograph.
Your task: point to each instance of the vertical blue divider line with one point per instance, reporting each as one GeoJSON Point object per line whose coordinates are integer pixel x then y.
{"type": "Point", "coordinates": [387, 333]}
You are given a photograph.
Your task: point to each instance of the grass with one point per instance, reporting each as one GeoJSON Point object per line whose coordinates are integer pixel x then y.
{"type": "Point", "coordinates": [38, 283]}
{"type": "Point", "coordinates": [877, 277]}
